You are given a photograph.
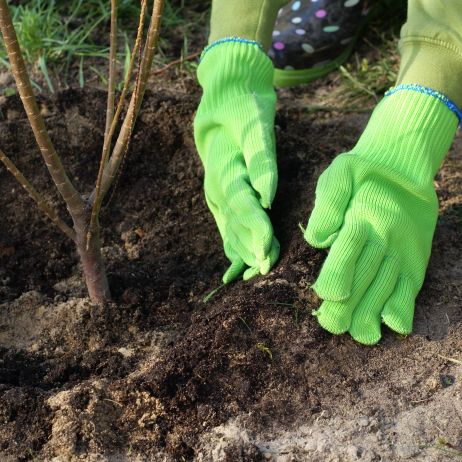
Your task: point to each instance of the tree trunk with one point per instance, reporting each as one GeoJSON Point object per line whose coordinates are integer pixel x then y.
{"type": "Point", "coordinates": [92, 261]}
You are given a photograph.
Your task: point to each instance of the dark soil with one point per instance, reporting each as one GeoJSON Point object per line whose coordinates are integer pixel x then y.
{"type": "Point", "coordinates": [153, 374]}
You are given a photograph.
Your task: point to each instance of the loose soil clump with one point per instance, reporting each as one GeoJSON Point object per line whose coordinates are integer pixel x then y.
{"type": "Point", "coordinates": [161, 375]}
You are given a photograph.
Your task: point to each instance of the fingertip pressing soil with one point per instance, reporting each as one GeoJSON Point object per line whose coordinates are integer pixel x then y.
{"type": "Point", "coordinates": [159, 374]}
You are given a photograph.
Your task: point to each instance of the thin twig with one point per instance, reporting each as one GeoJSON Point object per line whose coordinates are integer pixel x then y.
{"type": "Point", "coordinates": [23, 84]}
{"type": "Point", "coordinates": [136, 99]}
{"type": "Point", "coordinates": [112, 69]}
{"type": "Point", "coordinates": [177, 61]}
{"type": "Point", "coordinates": [97, 196]}
{"type": "Point", "coordinates": [452, 360]}
{"type": "Point", "coordinates": [49, 211]}
{"type": "Point", "coordinates": [136, 93]}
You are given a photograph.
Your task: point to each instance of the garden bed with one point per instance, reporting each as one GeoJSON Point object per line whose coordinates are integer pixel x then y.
{"type": "Point", "coordinates": [161, 375]}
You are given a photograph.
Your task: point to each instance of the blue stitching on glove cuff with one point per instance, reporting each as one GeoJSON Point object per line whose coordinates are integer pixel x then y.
{"type": "Point", "coordinates": [230, 40]}
{"type": "Point", "coordinates": [428, 91]}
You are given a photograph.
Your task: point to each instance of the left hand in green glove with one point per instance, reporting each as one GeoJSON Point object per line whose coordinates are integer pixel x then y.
{"type": "Point", "coordinates": [376, 208]}
{"type": "Point", "coordinates": [234, 134]}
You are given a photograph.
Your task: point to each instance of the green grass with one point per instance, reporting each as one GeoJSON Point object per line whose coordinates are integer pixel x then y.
{"type": "Point", "coordinates": [370, 71]}
{"type": "Point", "coordinates": [372, 75]}
{"type": "Point", "coordinates": [264, 349]}
{"type": "Point", "coordinates": [452, 452]}
{"type": "Point", "coordinates": [63, 39]}
{"type": "Point", "coordinates": [48, 37]}
{"type": "Point", "coordinates": [55, 35]}
{"type": "Point", "coordinates": [66, 42]}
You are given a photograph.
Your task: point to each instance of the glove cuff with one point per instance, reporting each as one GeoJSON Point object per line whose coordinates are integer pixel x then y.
{"type": "Point", "coordinates": [414, 131]}
{"type": "Point", "coordinates": [232, 67]}
{"type": "Point", "coordinates": [234, 39]}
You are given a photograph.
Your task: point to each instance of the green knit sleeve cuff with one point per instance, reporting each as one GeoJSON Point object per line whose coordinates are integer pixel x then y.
{"type": "Point", "coordinates": [432, 64]}
{"type": "Point", "coordinates": [249, 19]}
{"type": "Point", "coordinates": [431, 47]}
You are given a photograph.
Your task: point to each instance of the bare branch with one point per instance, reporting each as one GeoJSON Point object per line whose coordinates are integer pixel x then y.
{"type": "Point", "coordinates": [97, 197]}
{"type": "Point", "coordinates": [137, 97]}
{"type": "Point", "coordinates": [112, 69]}
{"type": "Point", "coordinates": [179, 61]}
{"type": "Point", "coordinates": [49, 211]}
{"type": "Point", "coordinates": [52, 160]}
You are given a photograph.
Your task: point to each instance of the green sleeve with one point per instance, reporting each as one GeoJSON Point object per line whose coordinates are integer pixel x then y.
{"type": "Point", "coordinates": [250, 19]}
{"type": "Point", "coordinates": [431, 46]}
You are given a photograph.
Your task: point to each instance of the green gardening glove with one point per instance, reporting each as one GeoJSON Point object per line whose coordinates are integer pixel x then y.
{"type": "Point", "coordinates": [376, 208]}
{"type": "Point", "coordinates": [234, 134]}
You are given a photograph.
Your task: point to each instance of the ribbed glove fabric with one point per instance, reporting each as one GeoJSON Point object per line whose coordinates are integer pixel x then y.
{"type": "Point", "coordinates": [376, 208]}
{"type": "Point", "coordinates": [234, 134]}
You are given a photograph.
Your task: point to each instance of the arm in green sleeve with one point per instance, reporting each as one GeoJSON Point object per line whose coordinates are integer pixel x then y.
{"type": "Point", "coordinates": [431, 46]}
{"type": "Point", "coordinates": [250, 19]}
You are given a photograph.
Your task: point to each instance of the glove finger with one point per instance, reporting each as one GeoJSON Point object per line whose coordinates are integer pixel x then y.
{"type": "Point", "coordinates": [243, 245]}
{"type": "Point", "coordinates": [336, 277]}
{"type": "Point", "coordinates": [240, 239]}
{"type": "Point", "coordinates": [235, 200]}
{"type": "Point", "coordinates": [334, 316]}
{"type": "Point", "coordinates": [217, 215]}
{"type": "Point", "coordinates": [256, 137]}
{"type": "Point", "coordinates": [231, 182]}
{"type": "Point", "coordinates": [237, 264]}
{"type": "Point", "coordinates": [272, 258]}
{"type": "Point", "coordinates": [333, 193]}
{"type": "Point", "coordinates": [236, 268]}
{"type": "Point", "coordinates": [398, 313]}
{"type": "Point", "coordinates": [366, 320]}
{"type": "Point", "coordinates": [260, 158]}
{"type": "Point", "coordinates": [265, 266]}
{"type": "Point", "coordinates": [248, 212]}
{"type": "Point", "coordinates": [236, 205]}
{"type": "Point", "coordinates": [250, 273]}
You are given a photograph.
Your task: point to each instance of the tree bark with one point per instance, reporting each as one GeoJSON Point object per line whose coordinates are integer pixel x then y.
{"type": "Point", "coordinates": [51, 158]}
{"type": "Point", "coordinates": [91, 258]}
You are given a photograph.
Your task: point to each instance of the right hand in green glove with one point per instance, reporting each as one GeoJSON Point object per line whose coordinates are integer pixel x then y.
{"type": "Point", "coordinates": [376, 208]}
{"type": "Point", "coordinates": [234, 134]}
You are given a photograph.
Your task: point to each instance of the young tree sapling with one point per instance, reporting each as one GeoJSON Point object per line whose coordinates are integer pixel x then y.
{"type": "Point", "coordinates": [84, 210]}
